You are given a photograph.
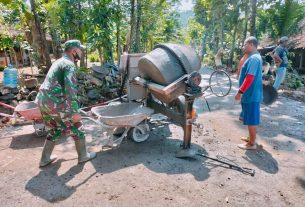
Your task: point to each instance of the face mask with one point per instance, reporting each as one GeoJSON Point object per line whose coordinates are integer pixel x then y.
{"type": "Point", "coordinates": [76, 56]}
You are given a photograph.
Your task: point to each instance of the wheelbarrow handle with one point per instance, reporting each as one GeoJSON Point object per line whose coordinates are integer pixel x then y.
{"type": "Point", "coordinates": [7, 115]}
{"type": "Point", "coordinates": [7, 106]}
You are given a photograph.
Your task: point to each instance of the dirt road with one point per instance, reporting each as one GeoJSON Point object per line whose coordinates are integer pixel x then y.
{"type": "Point", "coordinates": [148, 174]}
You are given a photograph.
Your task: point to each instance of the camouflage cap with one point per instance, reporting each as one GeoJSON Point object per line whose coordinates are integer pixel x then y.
{"type": "Point", "coordinates": [73, 43]}
{"type": "Point", "coordinates": [283, 39]}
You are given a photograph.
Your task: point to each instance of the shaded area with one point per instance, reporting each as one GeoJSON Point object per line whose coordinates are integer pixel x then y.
{"type": "Point", "coordinates": [26, 141]}
{"type": "Point", "coordinates": [52, 187]}
{"type": "Point", "coordinates": [262, 160]}
{"type": "Point", "coordinates": [301, 181]}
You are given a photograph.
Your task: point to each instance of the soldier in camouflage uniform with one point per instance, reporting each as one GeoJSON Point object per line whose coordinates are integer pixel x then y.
{"type": "Point", "coordinates": [57, 100]}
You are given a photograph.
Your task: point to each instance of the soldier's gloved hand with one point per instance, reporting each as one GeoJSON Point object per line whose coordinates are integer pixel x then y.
{"type": "Point", "coordinates": [76, 118]}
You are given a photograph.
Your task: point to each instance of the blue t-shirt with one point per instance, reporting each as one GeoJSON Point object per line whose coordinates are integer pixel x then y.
{"type": "Point", "coordinates": [283, 54]}
{"type": "Point", "coordinates": [253, 66]}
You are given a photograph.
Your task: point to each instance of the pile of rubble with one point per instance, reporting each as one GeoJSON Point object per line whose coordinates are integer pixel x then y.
{"type": "Point", "coordinates": [294, 86]}
{"type": "Point", "coordinates": [99, 85]}
{"type": "Point", "coordinates": [26, 90]}
{"type": "Point", "coordinates": [94, 86]}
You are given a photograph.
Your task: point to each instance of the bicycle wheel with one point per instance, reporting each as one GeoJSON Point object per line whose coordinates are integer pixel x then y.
{"type": "Point", "coordinates": [220, 83]}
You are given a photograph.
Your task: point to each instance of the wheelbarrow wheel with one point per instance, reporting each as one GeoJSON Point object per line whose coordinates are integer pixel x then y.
{"type": "Point", "coordinates": [40, 129]}
{"type": "Point", "coordinates": [139, 133]}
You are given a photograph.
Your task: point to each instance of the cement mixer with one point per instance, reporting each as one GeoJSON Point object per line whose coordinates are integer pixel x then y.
{"type": "Point", "coordinates": [167, 81]}
{"type": "Point", "coordinates": [168, 62]}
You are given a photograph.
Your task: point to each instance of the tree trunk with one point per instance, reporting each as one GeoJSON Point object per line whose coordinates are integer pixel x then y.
{"type": "Point", "coordinates": [37, 45]}
{"type": "Point", "coordinates": [118, 43]}
{"type": "Point", "coordinates": [118, 34]}
{"type": "Point", "coordinates": [132, 26]}
{"type": "Point", "coordinates": [245, 29]}
{"type": "Point", "coordinates": [204, 46]}
{"type": "Point", "coordinates": [100, 54]}
{"type": "Point", "coordinates": [82, 58]}
{"type": "Point", "coordinates": [14, 56]}
{"type": "Point", "coordinates": [234, 35]}
{"type": "Point", "coordinates": [221, 32]}
{"type": "Point", "coordinates": [139, 14]}
{"type": "Point", "coordinates": [253, 18]}
{"type": "Point", "coordinates": [56, 43]}
{"type": "Point", "coordinates": [301, 59]}
{"type": "Point", "coordinates": [45, 49]}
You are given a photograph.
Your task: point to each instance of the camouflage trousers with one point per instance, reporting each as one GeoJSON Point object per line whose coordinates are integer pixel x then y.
{"type": "Point", "coordinates": [58, 125]}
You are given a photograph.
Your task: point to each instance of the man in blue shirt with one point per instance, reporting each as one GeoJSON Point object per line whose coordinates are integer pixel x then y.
{"type": "Point", "coordinates": [250, 91]}
{"type": "Point", "coordinates": [281, 60]}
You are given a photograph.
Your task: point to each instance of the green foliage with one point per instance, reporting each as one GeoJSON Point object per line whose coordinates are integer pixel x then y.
{"type": "Point", "coordinates": [222, 22]}
{"type": "Point", "coordinates": [101, 18]}
{"type": "Point", "coordinates": [94, 57]}
{"type": "Point", "coordinates": [294, 80]}
{"type": "Point", "coordinates": [281, 18]}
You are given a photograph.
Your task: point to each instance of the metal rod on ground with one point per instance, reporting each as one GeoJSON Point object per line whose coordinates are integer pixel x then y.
{"type": "Point", "coordinates": [241, 169]}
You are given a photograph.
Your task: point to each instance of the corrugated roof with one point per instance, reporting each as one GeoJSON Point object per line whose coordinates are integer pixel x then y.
{"type": "Point", "coordinates": [295, 42]}
{"type": "Point", "coordinates": [298, 41]}
{"type": "Point", "coordinates": [12, 31]}
{"type": "Point", "coordinates": [16, 32]}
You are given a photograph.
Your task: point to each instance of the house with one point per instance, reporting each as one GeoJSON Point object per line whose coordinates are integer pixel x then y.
{"type": "Point", "coordinates": [19, 54]}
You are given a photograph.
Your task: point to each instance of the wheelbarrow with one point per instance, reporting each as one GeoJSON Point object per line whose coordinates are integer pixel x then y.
{"type": "Point", "coordinates": [125, 119]}
{"type": "Point", "coordinates": [28, 111]}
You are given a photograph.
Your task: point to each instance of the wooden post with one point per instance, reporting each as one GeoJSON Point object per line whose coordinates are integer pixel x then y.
{"type": "Point", "coordinates": [22, 54]}
{"type": "Point", "coordinates": [5, 57]}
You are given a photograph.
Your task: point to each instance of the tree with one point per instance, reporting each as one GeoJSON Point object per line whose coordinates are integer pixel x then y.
{"type": "Point", "coordinates": [101, 18]}
{"type": "Point", "coordinates": [25, 17]}
{"type": "Point", "coordinates": [235, 20]}
{"type": "Point", "coordinates": [132, 25]}
{"type": "Point", "coordinates": [281, 18]}
{"type": "Point", "coordinates": [138, 24]}
{"type": "Point", "coordinates": [253, 17]}
{"type": "Point", "coordinates": [39, 37]}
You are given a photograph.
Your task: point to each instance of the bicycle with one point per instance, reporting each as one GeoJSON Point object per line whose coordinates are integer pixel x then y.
{"type": "Point", "coordinates": [219, 82]}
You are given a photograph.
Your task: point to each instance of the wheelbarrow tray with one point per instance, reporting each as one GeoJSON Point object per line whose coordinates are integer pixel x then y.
{"type": "Point", "coordinates": [122, 115]}
{"type": "Point", "coordinates": [29, 110]}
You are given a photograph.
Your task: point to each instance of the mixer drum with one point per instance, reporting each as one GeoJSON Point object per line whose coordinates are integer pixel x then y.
{"type": "Point", "coordinates": [168, 62]}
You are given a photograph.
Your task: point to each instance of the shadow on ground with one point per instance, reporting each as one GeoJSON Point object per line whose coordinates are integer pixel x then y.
{"type": "Point", "coordinates": [157, 154]}
{"type": "Point", "coordinates": [301, 181]}
{"type": "Point", "coordinates": [262, 159]}
{"type": "Point", "coordinates": [25, 141]}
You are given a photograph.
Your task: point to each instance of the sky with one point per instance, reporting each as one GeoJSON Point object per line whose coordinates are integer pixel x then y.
{"type": "Point", "coordinates": [186, 5]}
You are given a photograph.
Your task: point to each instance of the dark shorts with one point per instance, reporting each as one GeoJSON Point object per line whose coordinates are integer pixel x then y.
{"type": "Point", "coordinates": [251, 113]}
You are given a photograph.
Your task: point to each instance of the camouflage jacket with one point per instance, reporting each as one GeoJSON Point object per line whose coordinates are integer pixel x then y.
{"type": "Point", "coordinates": [58, 92]}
